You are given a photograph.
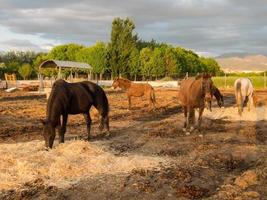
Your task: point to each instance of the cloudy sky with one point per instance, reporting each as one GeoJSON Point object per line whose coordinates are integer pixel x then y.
{"type": "Point", "coordinates": [209, 27]}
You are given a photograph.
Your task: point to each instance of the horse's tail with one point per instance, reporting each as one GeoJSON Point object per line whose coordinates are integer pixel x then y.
{"type": "Point", "coordinates": [239, 99]}
{"type": "Point", "coordinates": [103, 108]}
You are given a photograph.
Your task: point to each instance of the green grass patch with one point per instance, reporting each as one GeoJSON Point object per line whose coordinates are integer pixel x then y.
{"type": "Point", "coordinates": [228, 82]}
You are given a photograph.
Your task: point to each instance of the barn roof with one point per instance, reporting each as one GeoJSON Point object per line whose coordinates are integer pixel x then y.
{"type": "Point", "coordinates": [64, 64]}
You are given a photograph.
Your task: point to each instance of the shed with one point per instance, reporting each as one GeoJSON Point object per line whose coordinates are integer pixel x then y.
{"type": "Point", "coordinates": [64, 64]}
{"type": "Point", "coordinates": [59, 64]}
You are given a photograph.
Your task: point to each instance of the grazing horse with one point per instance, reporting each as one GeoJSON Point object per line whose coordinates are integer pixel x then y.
{"type": "Point", "coordinates": [195, 93]}
{"type": "Point", "coordinates": [135, 90]}
{"type": "Point", "coordinates": [73, 98]}
{"type": "Point", "coordinates": [219, 97]}
{"type": "Point", "coordinates": [243, 93]}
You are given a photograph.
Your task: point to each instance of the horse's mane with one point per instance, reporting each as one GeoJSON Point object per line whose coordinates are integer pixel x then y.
{"type": "Point", "coordinates": [124, 80]}
{"type": "Point", "coordinates": [203, 75]}
{"type": "Point", "coordinates": [54, 97]}
{"type": "Point", "coordinates": [98, 95]}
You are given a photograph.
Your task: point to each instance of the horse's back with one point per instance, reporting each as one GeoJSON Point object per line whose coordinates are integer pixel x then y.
{"type": "Point", "coordinates": [139, 89]}
{"type": "Point", "coordinates": [100, 100]}
{"type": "Point", "coordinates": [244, 85]}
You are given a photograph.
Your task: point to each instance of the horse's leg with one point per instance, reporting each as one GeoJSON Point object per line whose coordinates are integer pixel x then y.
{"type": "Point", "coordinates": [150, 101]}
{"type": "Point", "coordinates": [107, 123]}
{"type": "Point", "coordinates": [250, 102]}
{"type": "Point", "coordinates": [188, 117]}
{"type": "Point", "coordinates": [63, 128]}
{"type": "Point", "coordinates": [129, 100]}
{"type": "Point", "coordinates": [185, 115]}
{"type": "Point", "coordinates": [192, 118]}
{"type": "Point", "coordinates": [88, 121]}
{"type": "Point", "coordinates": [200, 117]}
{"type": "Point", "coordinates": [58, 128]}
{"type": "Point", "coordinates": [152, 98]}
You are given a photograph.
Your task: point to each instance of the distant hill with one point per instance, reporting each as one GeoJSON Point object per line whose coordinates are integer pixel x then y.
{"type": "Point", "coordinates": [236, 54]}
{"type": "Point", "coordinates": [242, 63]}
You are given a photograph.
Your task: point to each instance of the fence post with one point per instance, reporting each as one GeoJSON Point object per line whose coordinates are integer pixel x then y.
{"type": "Point", "coordinates": [264, 80]}
{"type": "Point", "coordinates": [224, 80]}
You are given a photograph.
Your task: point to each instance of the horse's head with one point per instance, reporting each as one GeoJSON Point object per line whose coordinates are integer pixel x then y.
{"type": "Point", "coordinates": [220, 101]}
{"type": "Point", "coordinates": [48, 133]}
{"type": "Point", "coordinates": [207, 85]}
{"type": "Point", "coordinates": [115, 83]}
{"type": "Point", "coordinates": [219, 97]}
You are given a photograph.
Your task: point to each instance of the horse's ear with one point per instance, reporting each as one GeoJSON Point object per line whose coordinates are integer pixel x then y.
{"type": "Point", "coordinates": [206, 75]}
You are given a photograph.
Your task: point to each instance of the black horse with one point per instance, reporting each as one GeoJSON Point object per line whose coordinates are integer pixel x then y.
{"type": "Point", "coordinates": [219, 97]}
{"type": "Point", "coordinates": [73, 98]}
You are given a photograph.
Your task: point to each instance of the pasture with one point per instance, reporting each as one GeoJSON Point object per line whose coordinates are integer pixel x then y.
{"type": "Point", "coordinates": [146, 156]}
{"type": "Point", "coordinates": [259, 82]}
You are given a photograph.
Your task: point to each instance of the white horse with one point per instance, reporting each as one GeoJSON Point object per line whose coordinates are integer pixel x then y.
{"type": "Point", "coordinates": [243, 93]}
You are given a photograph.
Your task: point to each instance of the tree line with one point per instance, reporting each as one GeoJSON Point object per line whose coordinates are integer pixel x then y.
{"type": "Point", "coordinates": [126, 54]}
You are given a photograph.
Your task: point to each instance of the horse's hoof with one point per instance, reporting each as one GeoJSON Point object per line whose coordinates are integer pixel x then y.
{"type": "Point", "coordinates": [46, 148]}
{"type": "Point", "coordinates": [184, 129]}
{"type": "Point", "coordinates": [191, 128]}
{"type": "Point", "coordinates": [200, 135]}
{"type": "Point", "coordinates": [187, 133]}
{"type": "Point", "coordinates": [108, 134]}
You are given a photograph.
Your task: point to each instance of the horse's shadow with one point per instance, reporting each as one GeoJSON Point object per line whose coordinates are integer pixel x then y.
{"type": "Point", "coordinates": [158, 114]}
{"type": "Point", "coordinates": [93, 138]}
{"type": "Point", "coordinates": [26, 97]}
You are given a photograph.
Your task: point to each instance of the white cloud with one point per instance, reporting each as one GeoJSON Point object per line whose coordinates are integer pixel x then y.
{"type": "Point", "coordinates": [216, 26]}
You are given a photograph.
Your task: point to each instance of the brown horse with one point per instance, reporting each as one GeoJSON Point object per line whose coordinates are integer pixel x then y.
{"type": "Point", "coordinates": [73, 98]}
{"type": "Point", "coordinates": [195, 93]}
{"type": "Point", "coordinates": [135, 90]}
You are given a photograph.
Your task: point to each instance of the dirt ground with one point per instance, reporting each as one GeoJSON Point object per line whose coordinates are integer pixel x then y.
{"type": "Point", "coordinates": [146, 156]}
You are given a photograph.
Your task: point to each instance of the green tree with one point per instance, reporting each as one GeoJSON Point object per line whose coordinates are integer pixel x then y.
{"type": "Point", "coordinates": [41, 57]}
{"type": "Point", "coordinates": [157, 63]}
{"type": "Point", "coordinates": [171, 64]}
{"type": "Point", "coordinates": [14, 59]}
{"type": "Point", "coordinates": [121, 45]}
{"type": "Point", "coordinates": [25, 70]}
{"type": "Point", "coordinates": [66, 52]}
{"type": "Point", "coordinates": [152, 44]}
{"type": "Point", "coordinates": [96, 56]}
{"type": "Point", "coordinates": [210, 65]}
{"type": "Point", "coordinates": [194, 61]}
{"type": "Point", "coordinates": [146, 65]}
{"type": "Point", "coordinates": [134, 63]}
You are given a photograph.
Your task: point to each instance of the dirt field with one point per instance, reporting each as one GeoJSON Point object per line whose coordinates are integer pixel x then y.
{"type": "Point", "coordinates": [147, 155]}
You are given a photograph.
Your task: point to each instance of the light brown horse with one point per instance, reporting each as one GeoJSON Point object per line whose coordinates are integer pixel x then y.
{"type": "Point", "coordinates": [135, 90]}
{"type": "Point", "coordinates": [195, 93]}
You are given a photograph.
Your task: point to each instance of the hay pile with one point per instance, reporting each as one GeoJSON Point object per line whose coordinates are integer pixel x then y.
{"type": "Point", "coordinates": [231, 113]}
{"type": "Point", "coordinates": [66, 164]}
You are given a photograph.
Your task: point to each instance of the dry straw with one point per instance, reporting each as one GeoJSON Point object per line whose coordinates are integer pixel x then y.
{"type": "Point", "coordinates": [65, 164]}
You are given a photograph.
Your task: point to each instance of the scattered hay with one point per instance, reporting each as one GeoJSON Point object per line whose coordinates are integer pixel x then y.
{"type": "Point", "coordinates": [67, 163]}
{"type": "Point", "coordinates": [247, 179]}
{"type": "Point", "coordinates": [231, 113]}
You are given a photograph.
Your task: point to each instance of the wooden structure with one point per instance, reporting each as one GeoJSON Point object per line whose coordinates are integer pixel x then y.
{"type": "Point", "coordinates": [59, 65]}
{"type": "Point", "coordinates": [11, 80]}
